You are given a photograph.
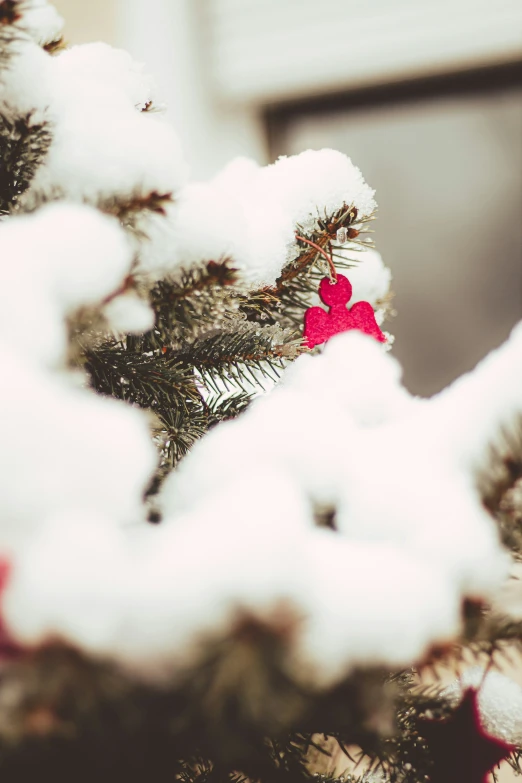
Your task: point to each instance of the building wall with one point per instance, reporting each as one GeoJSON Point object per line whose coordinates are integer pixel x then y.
{"type": "Point", "coordinates": [90, 20]}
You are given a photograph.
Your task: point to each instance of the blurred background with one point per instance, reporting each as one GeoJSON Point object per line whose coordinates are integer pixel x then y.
{"type": "Point", "coordinates": [424, 95]}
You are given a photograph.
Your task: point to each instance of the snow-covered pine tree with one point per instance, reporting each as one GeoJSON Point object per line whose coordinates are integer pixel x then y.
{"type": "Point", "coordinates": [274, 603]}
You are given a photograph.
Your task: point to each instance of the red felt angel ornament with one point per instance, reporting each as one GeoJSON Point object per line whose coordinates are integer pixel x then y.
{"type": "Point", "coordinates": [335, 293]}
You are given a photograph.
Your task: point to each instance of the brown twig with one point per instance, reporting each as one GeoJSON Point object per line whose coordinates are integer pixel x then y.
{"type": "Point", "coordinates": [333, 271]}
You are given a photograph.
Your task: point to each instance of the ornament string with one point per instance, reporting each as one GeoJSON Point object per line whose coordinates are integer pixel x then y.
{"type": "Point", "coordinates": [331, 265]}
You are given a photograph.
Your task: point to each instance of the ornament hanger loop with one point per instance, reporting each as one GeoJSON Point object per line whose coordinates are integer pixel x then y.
{"type": "Point", "coordinates": [331, 266]}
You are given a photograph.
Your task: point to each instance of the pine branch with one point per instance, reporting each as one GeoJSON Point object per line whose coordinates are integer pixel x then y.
{"type": "Point", "coordinates": [148, 380]}
{"type": "Point", "coordinates": [23, 147]}
{"type": "Point", "coordinates": [296, 297]}
{"type": "Point", "coordinates": [498, 485]}
{"type": "Point", "coordinates": [492, 634]}
{"type": "Point", "coordinates": [233, 715]}
{"type": "Point", "coordinates": [237, 358]}
{"type": "Point", "coordinates": [11, 28]}
{"type": "Point", "coordinates": [128, 210]}
{"type": "Point", "coordinates": [223, 408]}
{"type": "Point", "coordinates": [323, 235]}
{"type": "Point", "coordinates": [10, 12]}
{"type": "Point", "coordinates": [180, 428]}
{"type": "Point", "coordinates": [13, 32]}
{"type": "Point", "coordinates": [404, 756]}
{"type": "Point", "coordinates": [209, 332]}
{"type": "Point", "coordinates": [55, 47]}
{"type": "Point", "coordinates": [166, 385]}
{"type": "Point", "coordinates": [198, 300]}
{"type": "Point", "coordinates": [285, 303]}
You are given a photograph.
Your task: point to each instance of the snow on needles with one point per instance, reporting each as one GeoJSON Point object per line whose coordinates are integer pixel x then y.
{"type": "Point", "coordinates": [23, 86]}
{"type": "Point", "coordinates": [54, 261]}
{"type": "Point", "coordinates": [41, 21]}
{"type": "Point", "coordinates": [108, 150]}
{"type": "Point", "coordinates": [380, 590]}
{"type": "Point", "coordinates": [66, 450]}
{"type": "Point", "coordinates": [104, 147]}
{"type": "Point", "coordinates": [63, 447]}
{"type": "Point", "coordinates": [250, 213]}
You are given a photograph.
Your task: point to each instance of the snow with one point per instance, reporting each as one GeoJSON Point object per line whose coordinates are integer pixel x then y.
{"type": "Point", "coordinates": [128, 314]}
{"type": "Point", "coordinates": [23, 87]}
{"type": "Point", "coordinates": [150, 604]}
{"type": "Point", "coordinates": [66, 449]}
{"type": "Point", "coordinates": [67, 454]}
{"type": "Point", "coordinates": [499, 701]}
{"type": "Point", "coordinates": [108, 77]}
{"type": "Point", "coordinates": [41, 21]}
{"type": "Point", "coordinates": [346, 434]}
{"type": "Point", "coordinates": [250, 213]}
{"type": "Point", "coordinates": [103, 146]}
{"type": "Point", "coordinates": [370, 603]}
{"type": "Point", "coordinates": [73, 580]}
{"type": "Point", "coordinates": [369, 276]}
{"type": "Point", "coordinates": [155, 612]}
{"type": "Point", "coordinates": [353, 373]}
{"type": "Point", "coordinates": [316, 412]}
{"type": "Point", "coordinates": [54, 261]}
{"type": "Point", "coordinates": [484, 403]}
{"type": "Point", "coordinates": [63, 447]}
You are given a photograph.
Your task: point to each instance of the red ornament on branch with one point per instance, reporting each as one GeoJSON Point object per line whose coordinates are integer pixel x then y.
{"type": "Point", "coordinates": [320, 326]}
{"type": "Point", "coordinates": [461, 749]}
{"type": "Point", "coordinates": [336, 292]}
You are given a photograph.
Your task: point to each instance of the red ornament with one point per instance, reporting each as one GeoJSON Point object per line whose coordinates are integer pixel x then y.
{"type": "Point", "coordinates": [320, 326]}
{"type": "Point", "coordinates": [461, 749]}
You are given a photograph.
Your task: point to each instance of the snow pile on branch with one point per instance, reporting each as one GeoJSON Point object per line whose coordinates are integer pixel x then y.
{"type": "Point", "coordinates": [55, 261]}
{"type": "Point", "coordinates": [66, 450]}
{"type": "Point", "coordinates": [27, 26]}
{"type": "Point", "coordinates": [346, 435]}
{"type": "Point", "coordinates": [190, 582]}
{"type": "Point", "coordinates": [127, 314]}
{"type": "Point", "coordinates": [250, 213]}
{"type": "Point", "coordinates": [239, 537]}
{"type": "Point", "coordinates": [109, 150]}
{"type": "Point", "coordinates": [63, 447]}
{"type": "Point", "coordinates": [29, 20]}
{"type": "Point", "coordinates": [41, 21]}
{"type": "Point", "coordinates": [104, 146]}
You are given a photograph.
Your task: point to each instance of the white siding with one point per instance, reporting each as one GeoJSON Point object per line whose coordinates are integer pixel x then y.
{"type": "Point", "coordinates": [261, 50]}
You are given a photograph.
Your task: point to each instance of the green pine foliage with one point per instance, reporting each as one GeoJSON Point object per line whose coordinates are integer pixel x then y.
{"type": "Point", "coordinates": [24, 143]}
{"type": "Point", "coordinates": [215, 343]}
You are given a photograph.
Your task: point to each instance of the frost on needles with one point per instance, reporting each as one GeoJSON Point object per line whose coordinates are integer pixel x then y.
{"type": "Point", "coordinates": [222, 555]}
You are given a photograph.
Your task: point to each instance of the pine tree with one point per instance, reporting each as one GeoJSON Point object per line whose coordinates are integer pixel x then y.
{"type": "Point", "coordinates": [273, 600]}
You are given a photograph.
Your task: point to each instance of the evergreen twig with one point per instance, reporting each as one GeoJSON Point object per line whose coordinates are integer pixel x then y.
{"type": "Point", "coordinates": [24, 144]}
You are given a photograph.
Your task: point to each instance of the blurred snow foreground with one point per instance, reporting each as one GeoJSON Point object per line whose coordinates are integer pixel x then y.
{"type": "Point", "coordinates": [339, 434]}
